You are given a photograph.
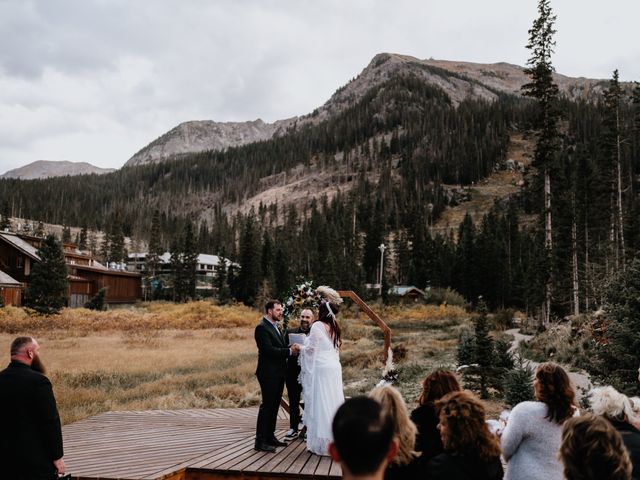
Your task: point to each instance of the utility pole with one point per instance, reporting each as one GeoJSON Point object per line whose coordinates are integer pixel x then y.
{"type": "Point", "coordinates": [382, 248]}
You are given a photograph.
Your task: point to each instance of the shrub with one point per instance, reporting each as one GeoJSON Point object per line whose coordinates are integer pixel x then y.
{"type": "Point", "coordinates": [446, 296]}
{"type": "Point", "coordinates": [518, 386]}
{"type": "Point", "coordinates": [97, 301]}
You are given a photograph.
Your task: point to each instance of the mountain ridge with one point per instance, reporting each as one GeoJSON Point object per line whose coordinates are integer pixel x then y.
{"type": "Point", "coordinates": [54, 168]}
{"type": "Point", "coordinates": [460, 80]}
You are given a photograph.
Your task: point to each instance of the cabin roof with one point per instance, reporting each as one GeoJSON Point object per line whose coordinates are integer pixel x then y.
{"type": "Point", "coordinates": [21, 245]}
{"type": "Point", "coordinates": [7, 281]}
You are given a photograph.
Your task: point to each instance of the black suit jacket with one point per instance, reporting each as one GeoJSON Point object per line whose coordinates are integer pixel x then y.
{"type": "Point", "coordinates": [30, 433]}
{"type": "Point", "coordinates": [272, 351]}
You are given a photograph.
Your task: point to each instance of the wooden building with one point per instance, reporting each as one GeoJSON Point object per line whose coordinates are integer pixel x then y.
{"type": "Point", "coordinates": [86, 276]}
{"type": "Point", "coordinates": [10, 290]}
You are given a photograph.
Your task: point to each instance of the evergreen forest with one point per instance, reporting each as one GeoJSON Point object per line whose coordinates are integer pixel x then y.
{"type": "Point", "coordinates": [393, 154]}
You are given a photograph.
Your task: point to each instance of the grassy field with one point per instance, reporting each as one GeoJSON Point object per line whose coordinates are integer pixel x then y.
{"type": "Point", "coordinates": [199, 355]}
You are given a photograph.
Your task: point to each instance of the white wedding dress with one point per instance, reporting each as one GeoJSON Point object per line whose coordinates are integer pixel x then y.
{"type": "Point", "coordinates": [321, 380]}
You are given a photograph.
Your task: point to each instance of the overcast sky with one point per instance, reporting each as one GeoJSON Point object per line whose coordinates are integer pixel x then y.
{"type": "Point", "coordinates": [96, 80]}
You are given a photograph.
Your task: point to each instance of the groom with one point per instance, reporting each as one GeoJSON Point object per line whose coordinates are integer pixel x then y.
{"type": "Point", "coordinates": [272, 366]}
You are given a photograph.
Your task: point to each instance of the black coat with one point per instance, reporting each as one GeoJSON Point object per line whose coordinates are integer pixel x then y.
{"type": "Point", "coordinates": [463, 467]}
{"type": "Point", "coordinates": [30, 432]}
{"type": "Point", "coordinates": [272, 351]}
{"type": "Point", "coordinates": [631, 438]}
{"type": "Point", "coordinates": [428, 440]}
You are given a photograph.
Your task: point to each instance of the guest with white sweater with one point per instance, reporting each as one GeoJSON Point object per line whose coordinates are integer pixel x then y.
{"type": "Point", "coordinates": [531, 439]}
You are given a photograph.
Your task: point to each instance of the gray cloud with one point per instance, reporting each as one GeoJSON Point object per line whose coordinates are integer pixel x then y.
{"type": "Point", "coordinates": [96, 80]}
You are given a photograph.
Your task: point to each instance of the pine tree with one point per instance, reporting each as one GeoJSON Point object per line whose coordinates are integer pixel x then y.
{"type": "Point", "coordinates": [617, 360]}
{"type": "Point", "coordinates": [484, 356]}
{"type": "Point", "coordinates": [189, 260]}
{"type": "Point", "coordinates": [48, 283]}
{"type": "Point", "coordinates": [221, 283]}
{"type": "Point", "coordinates": [66, 234]}
{"type": "Point", "coordinates": [155, 246]}
{"type": "Point", "coordinates": [248, 280]}
{"type": "Point", "coordinates": [545, 91]}
{"type": "Point", "coordinates": [5, 216]}
{"type": "Point", "coordinates": [117, 250]}
{"type": "Point", "coordinates": [83, 238]}
{"type": "Point", "coordinates": [518, 386]}
{"type": "Point", "coordinates": [177, 271]}
{"type": "Point", "coordinates": [613, 140]}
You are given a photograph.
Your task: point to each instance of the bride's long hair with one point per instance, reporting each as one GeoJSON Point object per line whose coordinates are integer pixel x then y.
{"type": "Point", "coordinates": [327, 314]}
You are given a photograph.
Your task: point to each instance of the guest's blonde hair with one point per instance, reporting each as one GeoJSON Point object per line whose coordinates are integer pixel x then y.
{"type": "Point", "coordinates": [404, 429]}
{"type": "Point", "coordinates": [607, 401]}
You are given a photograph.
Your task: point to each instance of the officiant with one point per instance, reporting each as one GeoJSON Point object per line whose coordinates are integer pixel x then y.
{"type": "Point", "coordinates": [294, 389]}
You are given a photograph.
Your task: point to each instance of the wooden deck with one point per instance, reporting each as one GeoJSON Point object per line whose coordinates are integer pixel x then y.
{"type": "Point", "coordinates": [184, 445]}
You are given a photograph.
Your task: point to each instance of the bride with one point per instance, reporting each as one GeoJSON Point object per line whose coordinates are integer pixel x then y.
{"type": "Point", "coordinates": [321, 377]}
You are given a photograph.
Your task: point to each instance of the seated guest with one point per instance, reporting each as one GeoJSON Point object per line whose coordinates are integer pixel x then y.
{"type": "Point", "coordinates": [531, 439]}
{"type": "Point", "coordinates": [617, 408]}
{"type": "Point", "coordinates": [435, 386]}
{"type": "Point", "coordinates": [591, 449]}
{"type": "Point", "coordinates": [363, 441]}
{"type": "Point", "coordinates": [405, 464]}
{"type": "Point", "coordinates": [471, 452]}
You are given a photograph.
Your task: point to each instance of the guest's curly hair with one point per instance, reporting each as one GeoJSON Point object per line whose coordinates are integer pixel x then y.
{"type": "Point", "coordinates": [405, 430]}
{"type": "Point", "coordinates": [555, 390]}
{"type": "Point", "coordinates": [592, 449]}
{"type": "Point", "coordinates": [463, 416]}
{"type": "Point", "coordinates": [437, 384]}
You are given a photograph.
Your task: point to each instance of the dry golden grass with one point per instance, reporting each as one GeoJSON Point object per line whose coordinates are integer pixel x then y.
{"type": "Point", "coordinates": [150, 316]}
{"type": "Point", "coordinates": [198, 355]}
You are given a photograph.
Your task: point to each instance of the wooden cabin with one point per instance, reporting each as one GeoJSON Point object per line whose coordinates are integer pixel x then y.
{"type": "Point", "coordinates": [10, 290]}
{"type": "Point", "coordinates": [86, 276]}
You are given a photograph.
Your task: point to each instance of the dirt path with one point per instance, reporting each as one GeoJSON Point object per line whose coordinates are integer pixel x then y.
{"type": "Point", "coordinates": [581, 380]}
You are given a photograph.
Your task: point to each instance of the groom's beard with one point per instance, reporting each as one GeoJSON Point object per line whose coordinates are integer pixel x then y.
{"type": "Point", "coordinates": [37, 365]}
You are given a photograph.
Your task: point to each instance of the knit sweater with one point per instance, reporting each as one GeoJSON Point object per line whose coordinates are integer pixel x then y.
{"type": "Point", "coordinates": [530, 444]}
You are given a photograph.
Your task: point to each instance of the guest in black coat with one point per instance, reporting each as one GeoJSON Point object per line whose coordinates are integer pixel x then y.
{"type": "Point", "coordinates": [471, 451]}
{"type": "Point", "coordinates": [435, 386]}
{"type": "Point", "coordinates": [30, 432]}
{"type": "Point", "coordinates": [294, 389]}
{"type": "Point", "coordinates": [271, 371]}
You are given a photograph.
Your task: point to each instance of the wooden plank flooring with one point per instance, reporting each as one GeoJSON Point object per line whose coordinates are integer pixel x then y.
{"type": "Point", "coordinates": [185, 444]}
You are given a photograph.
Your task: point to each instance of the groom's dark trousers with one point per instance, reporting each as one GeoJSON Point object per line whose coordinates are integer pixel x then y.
{"type": "Point", "coordinates": [271, 372]}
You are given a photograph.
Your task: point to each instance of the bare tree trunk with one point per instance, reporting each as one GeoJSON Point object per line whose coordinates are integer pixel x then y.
{"type": "Point", "coordinates": [587, 276]}
{"type": "Point", "coordinates": [619, 189]}
{"type": "Point", "coordinates": [574, 251]}
{"type": "Point", "coordinates": [613, 242]}
{"type": "Point", "coordinates": [548, 245]}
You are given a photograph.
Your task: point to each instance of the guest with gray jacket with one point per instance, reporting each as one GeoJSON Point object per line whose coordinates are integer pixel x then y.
{"type": "Point", "coordinates": [531, 439]}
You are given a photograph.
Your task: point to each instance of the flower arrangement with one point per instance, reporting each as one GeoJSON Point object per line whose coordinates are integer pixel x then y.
{"type": "Point", "coordinates": [390, 373]}
{"type": "Point", "coordinates": [304, 296]}
{"type": "Point", "coordinates": [301, 296]}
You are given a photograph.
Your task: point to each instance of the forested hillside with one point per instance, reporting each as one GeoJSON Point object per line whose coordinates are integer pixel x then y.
{"type": "Point", "coordinates": [380, 171]}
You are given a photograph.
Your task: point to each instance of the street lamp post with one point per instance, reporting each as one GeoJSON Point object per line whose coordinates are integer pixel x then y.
{"type": "Point", "coordinates": [382, 248]}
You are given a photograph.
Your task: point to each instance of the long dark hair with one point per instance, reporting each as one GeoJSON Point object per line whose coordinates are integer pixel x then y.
{"type": "Point", "coordinates": [556, 392]}
{"type": "Point", "coordinates": [437, 384]}
{"type": "Point", "coordinates": [327, 313]}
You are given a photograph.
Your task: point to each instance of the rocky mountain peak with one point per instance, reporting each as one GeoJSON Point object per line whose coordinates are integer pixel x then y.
{"type": "Point", "coordinates": [52, 168]}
